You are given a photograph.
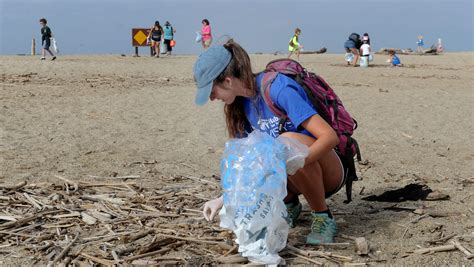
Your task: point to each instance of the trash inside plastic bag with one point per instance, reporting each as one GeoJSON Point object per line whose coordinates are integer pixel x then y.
{"type": "Point", "coordinates": [163, 49]}
{"type": "Point", "coordinates": [54, 45]}
{"type": "Point", "coordinates": [371, 57]}
{"type": "Point", "coordinates": [349, 57]}
{"type": "Point", "coordinates": [198, 37]}
{"type": "Point", "coordinates": [254, 179]}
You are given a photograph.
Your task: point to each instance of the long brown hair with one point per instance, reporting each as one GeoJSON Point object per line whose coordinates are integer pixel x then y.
{"type": "Point", "coordinates": [239, 67]}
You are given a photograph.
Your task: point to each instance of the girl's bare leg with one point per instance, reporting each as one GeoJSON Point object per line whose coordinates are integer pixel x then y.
{"type": "Point", "coordinates": [157, 49]}
{"type": "Point", "coordinates": [315, 179]}
{"type": "Point", "coordinates": [356, 56]}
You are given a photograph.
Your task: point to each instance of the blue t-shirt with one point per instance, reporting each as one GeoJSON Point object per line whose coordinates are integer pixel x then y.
{"type": "Point", "coordinates": [290, 97]}
{"type": "Point", "coordinates": [395, 60]}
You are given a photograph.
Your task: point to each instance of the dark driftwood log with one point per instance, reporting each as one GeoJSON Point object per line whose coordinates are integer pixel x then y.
{"type": "Point", "coordinates": [385, 51]}
{"type": "Point", "coordinates": [320, 51]}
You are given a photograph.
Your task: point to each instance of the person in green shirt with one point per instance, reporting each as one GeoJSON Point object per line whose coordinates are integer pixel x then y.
{"type": "Point", "coordinates": [294, 45]}
{"type": "Point", "coordinates": [45, 39]}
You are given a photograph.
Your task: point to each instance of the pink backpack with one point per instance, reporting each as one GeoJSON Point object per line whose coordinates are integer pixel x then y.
{"type": "Point", "coordinates": [327, 104]}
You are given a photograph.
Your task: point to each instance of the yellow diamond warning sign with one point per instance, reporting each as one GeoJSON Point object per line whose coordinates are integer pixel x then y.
{"type": "Point", "coordinates": [139, 36]}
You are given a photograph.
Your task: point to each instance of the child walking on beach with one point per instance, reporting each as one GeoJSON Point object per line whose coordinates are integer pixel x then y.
{"type": "Point", "coordinates": [206, 34]}
{"type": "Point", "coordinates": [46, 35]}
{"type": "Point", "coordinates": [294, 45]}
{"type": "Point", "coordinates": [394, 60]}
{"type": "Point", "coordinates": [224, 72]}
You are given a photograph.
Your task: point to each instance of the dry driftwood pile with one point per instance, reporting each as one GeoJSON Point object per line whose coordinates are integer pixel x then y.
{"type": "Point", "coordinates": [109, 223]}
{"type": "Point", "coordinates": [385, 51]}
{"type": "Point", "coordinates": [407, 51]}
{"type": "Point", "coordinates": [116, 221]}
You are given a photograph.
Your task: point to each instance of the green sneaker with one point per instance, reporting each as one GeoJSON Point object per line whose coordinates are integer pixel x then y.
{"type": "Point", "coordinates": [294, 211]}
{"type": "Point", "coordinates": [323, 229]}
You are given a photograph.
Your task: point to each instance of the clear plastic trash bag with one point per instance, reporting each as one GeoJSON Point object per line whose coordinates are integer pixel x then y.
{"type": "Point", "coordinates": [163, 48]}
{"type": "Point", "coordinates": [349, 57]}
{"type": "Point", "coordinates": [254, 178]}
{"type": "Point", "coordinates": [198, 37]}
{"type": "Point", "coordinates": [371, 57]}
{"type": "Point", "coordinates": [54, 45]}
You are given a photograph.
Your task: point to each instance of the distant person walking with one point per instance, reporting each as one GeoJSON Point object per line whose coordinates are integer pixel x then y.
{"type": "Point", "coordinates": [155, 35]}
{"type": "Point", "coordinates": [168, 36]}
{"type": "Point", "coordinates": [206, 34]}
{"type": "Point", "coordinates": [46, 36]}
{"type": "Point", "coordinates": [419, 44]}
{"type": "Point", "coordinates": [294, 46]}
{"type": "Point", "coordinates": [352, 46]}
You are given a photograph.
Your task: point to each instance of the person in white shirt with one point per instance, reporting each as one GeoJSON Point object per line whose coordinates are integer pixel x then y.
{"type": "Point", "coordinates": [365, 49]}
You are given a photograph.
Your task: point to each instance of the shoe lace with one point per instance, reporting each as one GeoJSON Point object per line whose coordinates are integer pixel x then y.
{"type": "Point", "coordinates": [318, 224]}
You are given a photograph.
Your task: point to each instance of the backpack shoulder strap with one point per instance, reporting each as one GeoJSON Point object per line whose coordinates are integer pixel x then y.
{"type": "Point", "coordinates": [267, 80]}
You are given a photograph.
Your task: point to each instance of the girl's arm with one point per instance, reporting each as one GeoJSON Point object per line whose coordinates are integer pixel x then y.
{"type": "Point", "coordinates": [326, 138]}
{"type": "Point", "coordinates": [149, 33]}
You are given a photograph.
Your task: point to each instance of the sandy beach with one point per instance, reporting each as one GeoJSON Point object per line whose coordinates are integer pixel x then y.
{"type": "Point", "coordinates": [108, 116]}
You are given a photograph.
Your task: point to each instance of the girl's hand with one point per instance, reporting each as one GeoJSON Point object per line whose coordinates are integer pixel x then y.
{"type": "Point", "coordinates": [211, 208]}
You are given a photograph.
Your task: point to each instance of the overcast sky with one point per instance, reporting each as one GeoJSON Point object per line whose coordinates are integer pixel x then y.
{"type": "Point", "coordinates": [104, 26]}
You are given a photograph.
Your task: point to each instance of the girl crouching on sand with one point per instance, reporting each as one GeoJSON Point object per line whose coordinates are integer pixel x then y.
{"type": "Point", "coordinates": [394, 59]}
{"type": "Point", "coordinates": [224, 73]}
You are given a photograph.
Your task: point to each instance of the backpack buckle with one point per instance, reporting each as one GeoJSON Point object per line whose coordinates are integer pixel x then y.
{"type": "Point", "coordinates": [304, 73]}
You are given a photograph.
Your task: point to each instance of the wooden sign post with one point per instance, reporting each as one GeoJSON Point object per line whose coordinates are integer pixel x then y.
{"type": "Point", "coordinates": [33, 47]}
{"type": "Point", "coordinates": [139, 38]}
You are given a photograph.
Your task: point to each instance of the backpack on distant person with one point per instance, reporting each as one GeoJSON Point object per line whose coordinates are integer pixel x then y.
{"type": "Point", "coordinates": [327, 104]}
{"type": "Point", "coordinates": [355, 37]}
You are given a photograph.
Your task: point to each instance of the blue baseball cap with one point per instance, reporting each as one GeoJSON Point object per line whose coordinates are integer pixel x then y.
{"type": "Point", "coordinates": [208, 66]}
